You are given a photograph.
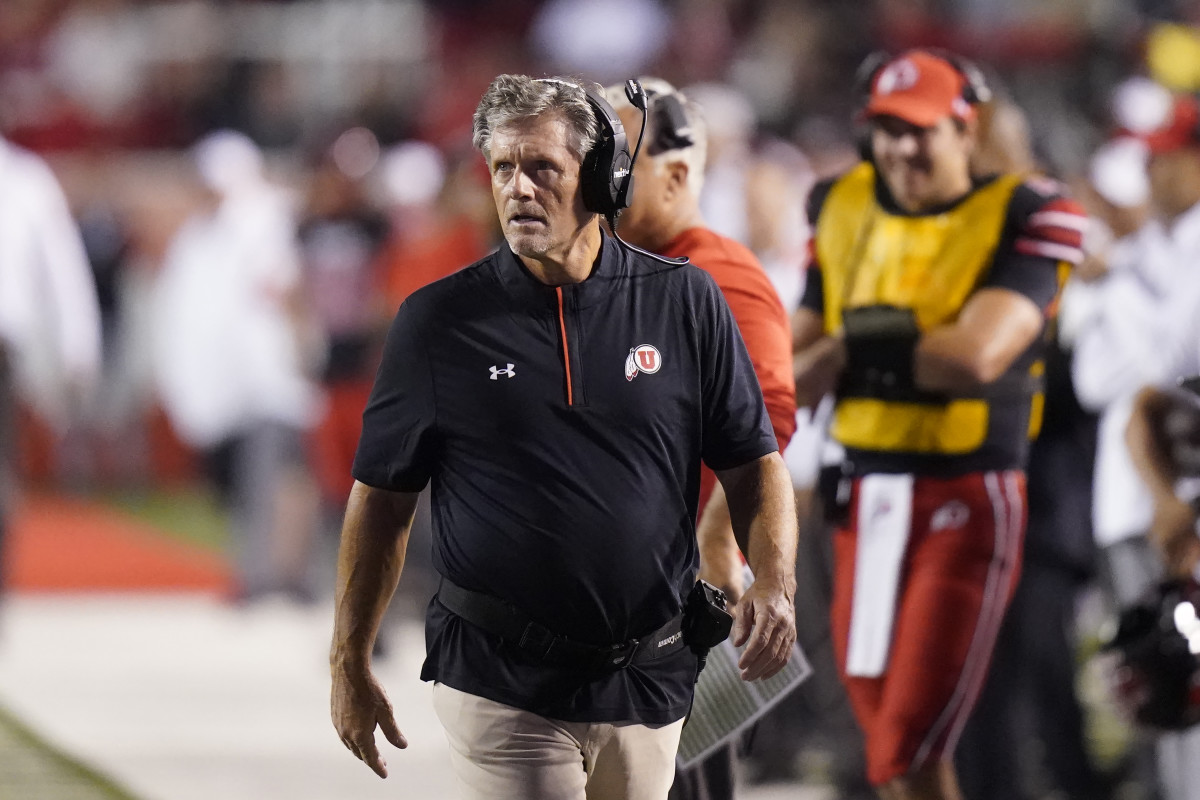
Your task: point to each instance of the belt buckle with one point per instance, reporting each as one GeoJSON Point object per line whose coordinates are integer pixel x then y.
{"type": "Point", "coordinates": [621, 655]}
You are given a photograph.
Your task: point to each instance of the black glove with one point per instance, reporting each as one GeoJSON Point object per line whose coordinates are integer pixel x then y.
{"type": "Point", "coordinates": [880, 343]}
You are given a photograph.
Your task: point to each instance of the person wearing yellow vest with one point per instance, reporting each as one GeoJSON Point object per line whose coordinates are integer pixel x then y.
{"type": "Point", "coordinates": [924, 312]}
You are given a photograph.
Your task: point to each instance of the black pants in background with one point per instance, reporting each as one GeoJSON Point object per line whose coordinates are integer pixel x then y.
{"type": "Point", "coordinates": [1028, 723]}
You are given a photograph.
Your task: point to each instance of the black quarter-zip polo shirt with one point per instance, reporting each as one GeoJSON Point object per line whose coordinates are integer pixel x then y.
{"type": "Point", "coordinates": [562, 429]}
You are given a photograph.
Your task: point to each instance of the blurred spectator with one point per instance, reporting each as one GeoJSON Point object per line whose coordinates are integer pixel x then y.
{"type": "Point", "coordinates": [732, 125]}
{"type": "Point", "coordinates": [49, 316]}
{"type": "Point", "coordinates": [777, 182]}
{"type": "Point", "coordinates": [340, 236]}
{"type": "Point", "coordinates": [1148, 294]}
{"type": "Point", "coordinates": [1134, 276]}
{"type": "Point", "coordinates": [1029, 694]}
{"type": "Point", "coordinates": [815, 724]}
{"type": "Point", "coordinates": [606, 40]}
{"type": "Point", "coordinates": [108, 445]}
{"type": "Point", "coordinates": [230, 355]}
{"type": "Point", "coordinates": [929, 550]}
{"type": "Point", "coordinates": [754, 190]}
{"type": "Point", "coordinates": [435, 217]}
{"type": "Point", "coordinates": [1027, 729]}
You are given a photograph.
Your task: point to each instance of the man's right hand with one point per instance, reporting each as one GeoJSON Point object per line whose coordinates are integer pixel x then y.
{"type": "Point", "coordinates": [765, 621]}
{"type": "Point", "coordinates": [358, 705]}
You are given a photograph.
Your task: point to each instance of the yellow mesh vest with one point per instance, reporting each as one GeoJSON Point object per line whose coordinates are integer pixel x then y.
{"type": "Point", "coordinates": [930, 264]}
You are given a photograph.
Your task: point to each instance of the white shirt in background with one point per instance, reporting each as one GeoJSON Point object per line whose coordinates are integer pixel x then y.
{"type": "Point", "coordinates": [227, 349]}
{"type": "Point", "coordinates": [49, 315]}
{"type": "Point", "coordinates": [1127, 336]}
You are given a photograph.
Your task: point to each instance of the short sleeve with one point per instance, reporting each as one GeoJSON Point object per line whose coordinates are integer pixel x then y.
{"type": "Point", "coordinates": [1043, 238]}
{"type": "Point", "coordinates": [813, 297]}
{"type": "Point", "coordinates": [737, 428]}
{"type": "Point", "coordinates": [764, 327]}
{"type": "Point", "coordinates": [396, 448]}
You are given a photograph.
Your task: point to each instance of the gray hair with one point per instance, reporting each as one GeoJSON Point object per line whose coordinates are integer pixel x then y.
{"type": "Point", "coordinates": [693, 156]}
{"type": "Point", "coordinates": [513, 98]}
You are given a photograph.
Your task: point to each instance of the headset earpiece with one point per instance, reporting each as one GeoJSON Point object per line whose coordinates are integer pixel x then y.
{"type": "Point", "coordinates": [975, 86]}
{"type": "Point", "coordinates": [868, 70]}
{"type": "Point", "coordinates": [864, 79]}
{"type": "Point", "coordinates": [671, 128]}
{"type": "Point", "coordinates": [606, 176]}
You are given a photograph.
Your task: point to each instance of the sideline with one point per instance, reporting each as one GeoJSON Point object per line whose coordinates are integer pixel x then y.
{"type": "Point", "coordinates": [31, 767]}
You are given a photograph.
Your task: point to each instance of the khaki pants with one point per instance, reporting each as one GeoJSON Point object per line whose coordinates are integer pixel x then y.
{"type": "Point", "coordinates": [503, 753]}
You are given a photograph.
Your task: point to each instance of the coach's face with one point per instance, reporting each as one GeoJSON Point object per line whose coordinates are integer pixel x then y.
{"type": "Point", "coordinates": [923, 167]}
{"type": "Point", "coordinates": [535, 183]}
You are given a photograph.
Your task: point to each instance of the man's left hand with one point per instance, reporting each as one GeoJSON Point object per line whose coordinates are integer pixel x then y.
{"type": "Point", "coordinates": [765, 621]}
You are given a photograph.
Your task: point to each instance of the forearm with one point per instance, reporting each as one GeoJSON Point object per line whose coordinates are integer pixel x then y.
{"type": "Point", "coordinates": [991, 332]}
{"type": "Point", "coordinates": [816, 370]}
{"type": "Point", "coordinates": [720, 557]}
{"type": "Point", "coordinates": [762, 509]}
{"type": "Point", "coordinates": [948, 362]}
{"type": "Point", "coordinates": [370, 559]}
{"type": "Point", "coordinates": [1146, 446]}
{"type": "Point", "coordinates": [889, 354]}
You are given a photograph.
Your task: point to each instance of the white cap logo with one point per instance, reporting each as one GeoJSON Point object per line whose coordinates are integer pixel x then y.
{"type": "Point", "coordinates": [897, 76]}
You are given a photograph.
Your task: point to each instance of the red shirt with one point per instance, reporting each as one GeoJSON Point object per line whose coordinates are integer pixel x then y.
{"type": "Point", "coordinates": [760, 317]}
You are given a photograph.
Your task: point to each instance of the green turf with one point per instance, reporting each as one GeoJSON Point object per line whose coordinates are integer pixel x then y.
{"type": "Point", "coordinates": [31, 769]}
{"type": "Point", "coordinates": [190, 515]}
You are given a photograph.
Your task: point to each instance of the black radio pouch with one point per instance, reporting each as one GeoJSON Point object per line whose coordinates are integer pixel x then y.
{"type": "Point", "coordinates": [834, 485]}
{"type": "Point", "coordinates": [706, 623]}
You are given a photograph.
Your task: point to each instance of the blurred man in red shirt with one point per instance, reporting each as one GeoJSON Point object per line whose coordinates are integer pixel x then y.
{"type": "Point", "coordinates": [665, 218]}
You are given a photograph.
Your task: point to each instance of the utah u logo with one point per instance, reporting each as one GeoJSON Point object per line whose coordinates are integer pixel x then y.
{"type": "Point", "coordinates": [643, 358]}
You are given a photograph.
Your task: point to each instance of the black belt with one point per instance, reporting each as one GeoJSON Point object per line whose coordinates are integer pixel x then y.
{"type": "Point", "coordinates": [501, 619]}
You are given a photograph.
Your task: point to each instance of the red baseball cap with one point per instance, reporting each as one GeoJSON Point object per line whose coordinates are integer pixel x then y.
{"type": "Point", "coordinates": [1178, 128]}
{"type": "Point", "coordinates": [919, 88]}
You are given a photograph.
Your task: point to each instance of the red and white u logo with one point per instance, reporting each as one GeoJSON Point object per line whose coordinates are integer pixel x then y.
{"type": "Point", "coordinates": [643, 358]}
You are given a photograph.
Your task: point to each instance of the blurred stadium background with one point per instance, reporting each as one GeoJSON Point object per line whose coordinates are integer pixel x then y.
{"type": "Point", "coordinates": [132, 662]}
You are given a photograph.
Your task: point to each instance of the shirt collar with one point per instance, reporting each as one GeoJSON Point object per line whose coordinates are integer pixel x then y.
{"type": "Point", "coordinates": [519, 283]}
{"type": "Point", "coordinates": [884, 197]}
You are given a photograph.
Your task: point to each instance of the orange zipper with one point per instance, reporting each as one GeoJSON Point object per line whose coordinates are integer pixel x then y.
{"type": "Point", "coordinates": [562, 326]}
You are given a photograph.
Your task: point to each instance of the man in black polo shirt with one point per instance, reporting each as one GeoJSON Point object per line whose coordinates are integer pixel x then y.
{"type": "Point", "coordinates": [560, 394]}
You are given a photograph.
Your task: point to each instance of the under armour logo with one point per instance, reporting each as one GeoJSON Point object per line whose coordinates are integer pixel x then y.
{"type": "Point", "coordinates": [507, 371]}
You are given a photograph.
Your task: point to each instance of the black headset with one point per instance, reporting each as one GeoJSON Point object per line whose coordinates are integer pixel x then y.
{"type": "Point", "coordinates": [606, 176]}
{"type": "Point", "coordinates": [975, 89]}
{"type": "Point", "coordinates": [670, 128]}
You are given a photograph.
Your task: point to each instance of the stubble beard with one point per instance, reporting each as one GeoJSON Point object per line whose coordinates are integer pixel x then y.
{"type": "Point", "coordinates": [528, 245]}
